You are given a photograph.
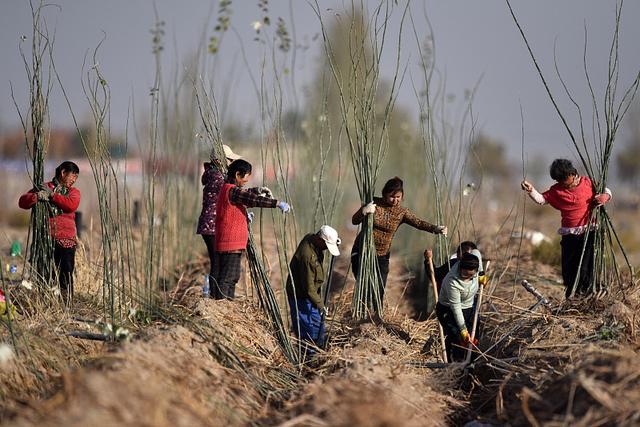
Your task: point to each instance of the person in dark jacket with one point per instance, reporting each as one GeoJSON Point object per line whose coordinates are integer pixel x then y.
{"type": "Point", "coordinates": [63, 200]}
{"type": "Point", "coordinates": [441, 271]}
{"type": "Point", "coordinates": [304, 285]}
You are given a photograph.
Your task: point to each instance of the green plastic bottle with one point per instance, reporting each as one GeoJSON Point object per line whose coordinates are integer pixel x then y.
{"type": "Point", "coordinates": [16, 248]}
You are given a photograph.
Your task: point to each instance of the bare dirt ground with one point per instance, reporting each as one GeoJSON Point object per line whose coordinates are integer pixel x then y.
{"type": "Point", "coordinates": [573, 363]}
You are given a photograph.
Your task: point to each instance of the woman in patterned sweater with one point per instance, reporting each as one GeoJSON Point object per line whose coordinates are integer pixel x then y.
{"type": "Point", "coordinates": [388, 215]}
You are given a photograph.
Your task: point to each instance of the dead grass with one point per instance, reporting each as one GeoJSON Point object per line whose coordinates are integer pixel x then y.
{"type": "Point", "coordinates": [374, 378]}
{"type": "Point", "coordinates": [574, 363]}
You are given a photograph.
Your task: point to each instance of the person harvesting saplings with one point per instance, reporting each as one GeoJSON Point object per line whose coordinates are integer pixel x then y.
{"type": "Point", "coordinates": [62, 200]}
{"type": "Point", "coordinates": [574, 196]}
{"type": "Point", "coordinates": [388, 215]}
{"type": "Point", "coordinates": [212, 182]}
{"type": "Point", "coordinates": [305, 282]}
{"type": "Point", "coordinates": [231, 226]}
{"type": "Point", "coordinates": [441, 271]}
{"type": "Point", "coordinates": [456, 302]}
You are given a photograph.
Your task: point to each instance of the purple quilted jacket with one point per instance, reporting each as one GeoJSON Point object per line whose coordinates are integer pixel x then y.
{"type": "Point", "coordinates": [212, 180]}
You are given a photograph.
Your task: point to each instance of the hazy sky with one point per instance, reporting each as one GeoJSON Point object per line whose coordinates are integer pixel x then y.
{"type": "Point", "coordinates": [475, 41]}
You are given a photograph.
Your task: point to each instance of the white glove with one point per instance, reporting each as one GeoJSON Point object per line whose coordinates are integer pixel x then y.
{"type": "Point", "coordinates": [369, 208]}
{"type": "Point", "coordinates": [442, 229]}
{"type": "Point", "coordinates": [44, 195]}
{"type": "Point", "coordinates": [284, 207]}
{"type": "Point", "coordinates": [250, 216]}
{"type": "Point", "coordinates": [265, 191]}
{"type": "Point", "coordinates": [325, 310]}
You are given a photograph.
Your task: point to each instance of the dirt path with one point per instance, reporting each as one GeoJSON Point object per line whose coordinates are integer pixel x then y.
{"type": "Point", "coordinates": [565, 364]}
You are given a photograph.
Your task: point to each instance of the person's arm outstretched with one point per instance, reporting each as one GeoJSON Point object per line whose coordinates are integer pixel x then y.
{"type": "Point", "coordinates": [411, 219]}
{"type": "Point", "coordinates": [533, 193]}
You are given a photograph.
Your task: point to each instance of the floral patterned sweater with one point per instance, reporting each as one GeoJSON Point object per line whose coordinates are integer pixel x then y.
{"type": "Point", "coordinates": [212, 181]}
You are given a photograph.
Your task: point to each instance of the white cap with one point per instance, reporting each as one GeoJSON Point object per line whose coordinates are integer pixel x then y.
{"type": "Point", "coordinates": [330, 237]}
{"type": "Point", "coordinates": [229, 154]}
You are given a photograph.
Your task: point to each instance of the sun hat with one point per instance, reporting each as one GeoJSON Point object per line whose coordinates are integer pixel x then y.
{"type": "Point", "coordinates": [229, 154]}
{"type": "Point", "coordinates": [330, 237]}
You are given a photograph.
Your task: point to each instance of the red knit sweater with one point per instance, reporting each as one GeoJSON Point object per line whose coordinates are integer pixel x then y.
{"type": "Point", "coordinates": [574, 204]}
{"type": "Point", "coordinates": [63, 226]}
{"type": "Point", "coordinates": [232, 232]}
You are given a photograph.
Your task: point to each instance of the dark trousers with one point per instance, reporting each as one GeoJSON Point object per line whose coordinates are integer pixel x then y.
{"type": "Point", "coordinates": [383, 265]}
{"type": "Point", "coordinates": [306, 322]}
{"type": "Point", "coordinates": [210, 241]}
{"type": "Point", "coordinates": [226, 273]}
{"type": "Point", "coordinates": [571, 250]}
{"type": "Point", "coordinates": [457, 352]}
{"type": "Point", "coordinates": [65, 260]}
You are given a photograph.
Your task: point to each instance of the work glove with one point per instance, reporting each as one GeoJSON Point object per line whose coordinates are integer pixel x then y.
{"type": "Point", "coordinates": [250, 216]}
{"type": "Point", "coordinates": [483, 279]}
{"type": "Point", "coordinates": [600, 199]}
{"type": "Point", "coordinates": [284, 207]}
{"type": "Point", "coordinates": [46, 189]}
{"type": "Point", "coordinates": [7, 314]}
{"type": "Point", "coordinates": [442, 229]}
{"type": "Point", "coordinates": [466, 338]}
{"type": "Point", "coordinates": [369, 208]}
{"type": "Point", "coordinates": [265, 191]}
{"type": "Point", "coordinates": [526, 186]}
{"type": "Point", "coordinates": [44, 195]}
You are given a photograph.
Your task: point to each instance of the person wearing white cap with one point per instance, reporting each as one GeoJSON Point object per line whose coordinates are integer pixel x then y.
{"type": "Point", "coordinates": [304, 285]}
{"type": "Point", "coordinates": [212, 182]}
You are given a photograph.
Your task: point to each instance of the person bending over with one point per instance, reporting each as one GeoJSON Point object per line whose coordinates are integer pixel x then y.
{"type": "Point", "coordinates": [304, 285]}
{"type": "Point", "coordinates": [456, 304]}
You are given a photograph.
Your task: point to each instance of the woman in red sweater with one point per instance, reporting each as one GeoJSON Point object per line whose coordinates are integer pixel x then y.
{"type": "Point", "coordinates": [63, 200]}
{"type": "Point", "coordinates": [232, 226]}
{"type": "Point", "coordinates": [574, 196]}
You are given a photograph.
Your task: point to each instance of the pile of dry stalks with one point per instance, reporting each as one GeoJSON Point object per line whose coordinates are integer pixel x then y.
{"type": "Point", "coordinates": [569, 362]}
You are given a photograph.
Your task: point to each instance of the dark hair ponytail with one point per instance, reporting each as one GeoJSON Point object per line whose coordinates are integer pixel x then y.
{"type": "Point", "coordinates": [238, 166]}
{"type": "Point", "coordinates": [392, 186]}
{"type": "Point", "coordinates": [67, 166]}
{"type": "Point", "coordinates": [466, 246]}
